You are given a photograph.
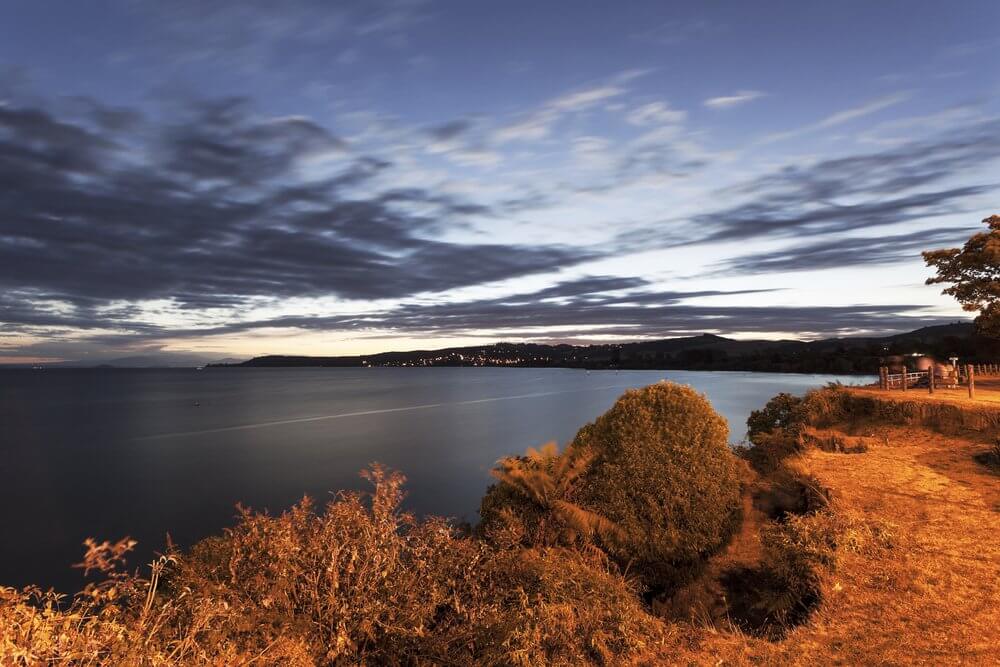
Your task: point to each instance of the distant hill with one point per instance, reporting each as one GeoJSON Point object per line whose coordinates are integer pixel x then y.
{"type": "Point", "coordinates": [704, 352]}
{"type": "Point", "coordinates": [159, 360]}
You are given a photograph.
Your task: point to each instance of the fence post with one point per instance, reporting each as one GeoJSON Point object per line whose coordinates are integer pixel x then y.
{"type": "Point", "coordinates": [930, 380]}
{"type": "Point", "coordinates": [971, 380]}
{"type": "Point", "coordinates": [883, 381]}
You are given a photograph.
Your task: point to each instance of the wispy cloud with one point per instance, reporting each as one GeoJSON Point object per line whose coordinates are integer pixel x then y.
{"type": "Point", "coordinates": [840, 117]}
{"type": "Point", "coordinates": [584, 99]}
{"type": "Point", "coordinates": [838, 253]}
{"type": "Point", "coordinates": [868, 191]}
{"type": "Point", "coordinates": [538, 124]}
{"type": "Point", "coordinates": [734, 100]}
{"type": "Point", "coordinates": [875, 105]}
{"type": "Point", "coordinates": [655, 113]}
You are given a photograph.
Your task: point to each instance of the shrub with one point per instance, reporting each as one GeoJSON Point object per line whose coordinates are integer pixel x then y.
{"type": "Point", "coordinates": [784, 425]}
{"type": "Point", "coordinates": [652, 483]}
{"type": "Point", "coordinates": [554, 606]}
{"type": "Point", "coordinates": [664, 474]}
{"type": "Point", "coordinates": [533, 503]}
{"type": "Point", "coordinates": [825, 406]}
{"type": "Point", "coordinates": [358, 583]}
{"type": "Point", "coordinates": [781, 412]}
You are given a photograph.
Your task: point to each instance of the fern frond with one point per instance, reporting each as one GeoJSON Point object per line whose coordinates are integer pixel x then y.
{"type": "Point", "coordinates": [588, 523]}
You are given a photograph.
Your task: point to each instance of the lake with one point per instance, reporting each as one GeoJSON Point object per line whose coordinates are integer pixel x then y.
{"type": "Point", "coordinates": [109, 453]}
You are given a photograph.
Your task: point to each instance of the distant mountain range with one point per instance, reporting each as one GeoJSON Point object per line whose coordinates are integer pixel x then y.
{"type": "Point", "coordinates": [704, 352]}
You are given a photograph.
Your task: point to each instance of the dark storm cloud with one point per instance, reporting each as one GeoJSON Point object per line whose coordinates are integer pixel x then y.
{"type": "Point", "coordinates": [867, 191]}
{"type": "Point", "coordinates": [211, 211]}
{"type": "Point", "coordinates": [838, 253]}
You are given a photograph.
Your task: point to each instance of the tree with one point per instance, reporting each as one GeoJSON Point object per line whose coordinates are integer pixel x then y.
{"type": "Point", "coordinates": [974, 274]}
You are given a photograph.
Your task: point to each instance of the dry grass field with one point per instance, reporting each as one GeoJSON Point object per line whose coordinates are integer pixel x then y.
{"type": "Point", "coordinates": [917, 574]}
{"type": "Point", "coordinates": [987, 392]}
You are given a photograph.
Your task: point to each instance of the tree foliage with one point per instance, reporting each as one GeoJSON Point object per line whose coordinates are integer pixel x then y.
{"type": "Point", "coordinates": [974, 275]}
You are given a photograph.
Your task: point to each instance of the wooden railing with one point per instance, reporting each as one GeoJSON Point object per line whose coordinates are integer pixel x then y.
{"type": "Point", "coordinates": [933, 378]}
{"type": "Point", "coordinates": [896, 380]}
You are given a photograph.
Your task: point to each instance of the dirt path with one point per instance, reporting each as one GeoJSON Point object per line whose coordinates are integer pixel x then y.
{"type": "Point", "coordinates": [936, 598]}
{"type": "Point", "coordinates": [931, 598]}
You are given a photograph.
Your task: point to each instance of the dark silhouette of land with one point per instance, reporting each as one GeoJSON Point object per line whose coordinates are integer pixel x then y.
{"type": "Point", "coordinates": [705, 352]}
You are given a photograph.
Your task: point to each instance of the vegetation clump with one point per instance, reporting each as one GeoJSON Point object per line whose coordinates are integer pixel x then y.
{"type": "Point", "coordinates": [359, 583]}
{"type": "Point", "coordinates": [781, 412]}
{"type": "Point", "coordinates": [663, 472]}
{"type": "Point", "coordinates": [652, 483]}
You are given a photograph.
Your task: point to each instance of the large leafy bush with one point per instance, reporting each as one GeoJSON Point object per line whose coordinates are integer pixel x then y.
{"type": "Point", "coordinates": [652, 483]}
{"type": "Point", "coordinates": [663, 472]}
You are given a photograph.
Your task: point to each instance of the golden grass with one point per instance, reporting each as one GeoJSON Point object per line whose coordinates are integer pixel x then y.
{"type": "Point", "coordinates": [917, 574]}
{"type": "Point", "coordinates": [987, 392]}
{"type": "Point", "coordinates": [358, 583]}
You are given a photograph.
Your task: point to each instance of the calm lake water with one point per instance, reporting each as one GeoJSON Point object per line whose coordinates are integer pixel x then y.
{"type": "Point", "coordinates": [109, 453]}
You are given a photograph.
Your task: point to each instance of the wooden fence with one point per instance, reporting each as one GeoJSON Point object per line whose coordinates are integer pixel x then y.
{"type": "Point", "coordinates": [934, 378]}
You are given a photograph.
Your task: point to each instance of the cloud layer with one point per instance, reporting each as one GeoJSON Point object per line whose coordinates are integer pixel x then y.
{"type": "Point", "coordinates": [212, 211]}
{"type": "Point", "coordinates": [188, 176]}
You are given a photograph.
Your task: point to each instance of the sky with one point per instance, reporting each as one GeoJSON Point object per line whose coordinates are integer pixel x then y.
{"type": "Point", "coordinates": [228, 179]}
